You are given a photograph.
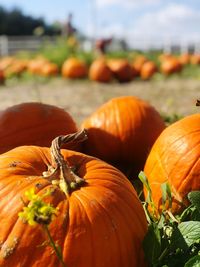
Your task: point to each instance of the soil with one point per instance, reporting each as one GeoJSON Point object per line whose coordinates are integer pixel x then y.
{"type": "Point", "coordinates": [81, 98]}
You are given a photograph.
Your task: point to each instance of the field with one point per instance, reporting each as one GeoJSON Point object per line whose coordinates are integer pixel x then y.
{"type": "Point", "coordinates": [169, 96]}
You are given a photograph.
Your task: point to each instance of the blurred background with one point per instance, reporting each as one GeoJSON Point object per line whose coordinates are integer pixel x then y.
{"type": "Point", "coordinates": [170, 26]}
{"type": "Point", "coordinates": [153, 44]}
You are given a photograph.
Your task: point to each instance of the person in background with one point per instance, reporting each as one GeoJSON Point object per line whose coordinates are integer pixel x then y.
{"type": "Point", "coordinates": [102, 44]}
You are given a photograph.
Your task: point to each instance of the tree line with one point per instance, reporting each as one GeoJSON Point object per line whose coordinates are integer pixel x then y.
{"type": "Point", "coordinates": [14, 22]}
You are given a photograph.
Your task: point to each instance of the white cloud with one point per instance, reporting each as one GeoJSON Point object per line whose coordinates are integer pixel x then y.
{"type": "Point", "coordinates": [174, 23]}
{"type": "Point", "coordinates": [125, 3]}
{"type": "Point", "coordinates": [173, 20]}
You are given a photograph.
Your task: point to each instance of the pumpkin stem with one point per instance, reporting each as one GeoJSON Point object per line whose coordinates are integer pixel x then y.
{"type": "Point", "coordinates": [69, 181]}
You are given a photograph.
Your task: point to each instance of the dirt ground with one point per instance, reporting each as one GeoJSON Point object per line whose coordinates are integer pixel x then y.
{"type": "Point", "coordinates": [81, 98]}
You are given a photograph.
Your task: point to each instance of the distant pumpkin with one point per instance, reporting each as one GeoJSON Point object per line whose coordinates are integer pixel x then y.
{"type": "Point", "coordinates": [121, 69]}
{"type": "Point", "coordinates": [49, 69]}
{"type": "Point", "coordinates": [2, 77]}
{"type": "Point", "coordinates": [171, 65]}
{"type": "Point", "coordinates": [184, 59]}
{"type": "Point", "coordinates": [195, 59]}
{"type": "Point", "coordinates": [148, 70]}
{"type": "Point", "coordinates": [138, 63]}
{"type": "Point", "coordinates": [74, 68]}
{"type": "Point", "coordinates": [99, 71]}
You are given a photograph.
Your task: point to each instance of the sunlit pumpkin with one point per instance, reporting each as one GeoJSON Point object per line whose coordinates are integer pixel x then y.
{"type": "Point", "coordinates": [138, 63]}
{"type": "Point", "coordinates": [171, 65]}
{"type": "Point", "coordinates": [175, 159]}
{"type": "Point", "coordinates": [74, 68]}
{"type": "Point", "coordinates": [33, 123]}
{"type": "Point", "coordinates": [99, 71]}
{"type": "Point", "coordinates": [122, 131]}
{"type": "Point", "coordinates": [100, 222]}
{"type": "Point", "coordinates": [148, 69]}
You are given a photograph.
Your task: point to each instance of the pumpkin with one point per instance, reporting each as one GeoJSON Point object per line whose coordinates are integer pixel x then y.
{"type": "Point", "coordinates": [99, 71]}
{"type": "Point", "coordinates": [49, 69]}
{"type": "Point", "coordinates": [148, 69]}
{"type": "Point", "coordinates": [184, 59]}
{"type": "Point", "coordinates": [195, 59]}
{"type": "Point", "coordinates": [33, 123]}
{"type": "Point", "coordinates": [74, 68]}
{"type": "Point", "coordinates": [2, 77]}
{"type": "Point", "coordinates": [16, 68]}
{"type": "Point", "coordinates": [121, 69]}
{"type": "Point", "coordinates": [174, 158]}
{"type": "Point", "coordinates": [138, 63]}
{"type": "Point", "coordinates": [122, 132]}
{"type": "Point", "coordinates": [171, 65]}
{"type": "Point", "coordinates": [35, 65]}
{"type": "Point", "coordinates": [100, 222]}
{"type": "Point", "coordinates": [5, 62]}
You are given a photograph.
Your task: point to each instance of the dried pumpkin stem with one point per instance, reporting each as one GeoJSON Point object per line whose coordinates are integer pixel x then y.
{"type": "Point", "coordinates": [68, 179]}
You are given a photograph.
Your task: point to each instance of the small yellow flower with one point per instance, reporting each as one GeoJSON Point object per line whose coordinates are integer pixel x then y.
{"type": "Point", "coordinates": [37, 210]}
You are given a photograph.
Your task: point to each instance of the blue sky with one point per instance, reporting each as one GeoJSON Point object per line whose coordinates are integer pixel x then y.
{"type": "Point", "coordinates": [122, 18]}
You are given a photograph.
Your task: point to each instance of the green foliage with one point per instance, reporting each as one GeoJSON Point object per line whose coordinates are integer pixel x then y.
{"type": "Point", "coordinates": [172, 240]}
{"type": "Point", "coordinates": [171, 118]}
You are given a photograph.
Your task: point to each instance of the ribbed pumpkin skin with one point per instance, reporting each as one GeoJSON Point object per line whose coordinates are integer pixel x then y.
{"type": "Point", "coordinates": [175, 158]}
{"type": "Point", "coordinates": [101, 224]}
{"type": "Point", "coordinates": [33, 124]}
{"type": "Point", "coordinates": [122, 132]}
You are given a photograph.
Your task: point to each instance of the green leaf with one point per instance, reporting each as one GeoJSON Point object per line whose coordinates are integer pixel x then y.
{"type": "Point", "coordinates": [190, 231]}
{"type": "Point", "coordinates": [193, 262]}
{"type": "Point", "coordinates": [152, 243]}
{"type": "Point", "coordinates": [194, 198]}
{"type": "Point", "coordinates": [185, 235]}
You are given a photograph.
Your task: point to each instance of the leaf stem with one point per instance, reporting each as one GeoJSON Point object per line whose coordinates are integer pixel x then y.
{"type": "Point", "coordinates": [53, 245]}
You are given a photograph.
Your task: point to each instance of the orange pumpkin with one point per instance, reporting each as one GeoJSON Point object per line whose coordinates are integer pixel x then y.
{"type": "Point", "coordinates": [171, 65]}
{"type": "Point", "coordinates": [138, 63]}
{"type": "Point", "coordinates": [2, 77]}
{"type": "Point", "coordinates": [121, 69]}
{"type": "Point", "coordinates": [184, 59]}
{"type": "Point", "coordinates": [74, 68]}
{"type": "Point", "coordinates": [16, 68]}
{"type": "Point", "coordinates": [148, 69]}
{"type": "Point", "coordinates": [49, 69]}
{"type": "Point", "coordinates": [195, 59]}
{"type": "Point", "coordinates": [122, 132]}
{"type": "Point", "coordinates": [35, 65]}
{"type": "Point", "coordinates": [33, 124]}
{"type": "Point", "coordinates": [174, 158]}
{"type": "Point", "coordinates": [100, 223]}
{"type": "Point", "coordinates": [99, 71]}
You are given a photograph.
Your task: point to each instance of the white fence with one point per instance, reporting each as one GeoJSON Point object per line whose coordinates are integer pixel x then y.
{"type": "Point", "coordinates": [12, 44]}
